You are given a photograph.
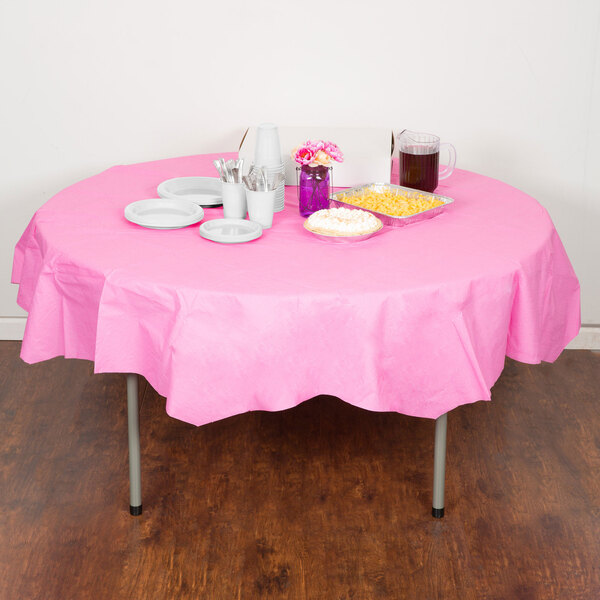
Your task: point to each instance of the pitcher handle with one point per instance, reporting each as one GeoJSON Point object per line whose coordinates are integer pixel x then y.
{"type": "Point", "coordinates": [449, 168]}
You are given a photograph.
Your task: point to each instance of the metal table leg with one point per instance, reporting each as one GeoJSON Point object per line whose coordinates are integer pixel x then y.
{"type": "Point", "coordinates": [133, 427]}
{"type": "Point", "coordinates": [439, 466]}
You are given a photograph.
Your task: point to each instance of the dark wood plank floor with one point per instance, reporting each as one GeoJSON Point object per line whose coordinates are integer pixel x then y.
{"type": "Point", "coordinates": [324, 501]}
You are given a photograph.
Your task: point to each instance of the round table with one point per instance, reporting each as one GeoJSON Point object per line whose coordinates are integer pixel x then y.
{"type": "Point", "coordinates": [416, 320]}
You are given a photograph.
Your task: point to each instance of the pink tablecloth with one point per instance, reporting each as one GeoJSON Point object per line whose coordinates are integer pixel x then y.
{"type": "Point", "coordinates": [416, 320]}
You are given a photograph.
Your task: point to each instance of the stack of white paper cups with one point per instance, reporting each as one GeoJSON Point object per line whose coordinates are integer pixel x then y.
{"type": "Point", "coordinates": [267, 154]}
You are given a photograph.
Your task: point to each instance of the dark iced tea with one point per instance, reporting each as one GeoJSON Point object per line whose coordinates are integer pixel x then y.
{"type": "Point", "coordinates": [419, 171]}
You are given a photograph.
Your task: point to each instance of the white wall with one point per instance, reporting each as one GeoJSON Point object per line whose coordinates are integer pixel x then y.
{"type": "Point", "coordinates": [514, 84]}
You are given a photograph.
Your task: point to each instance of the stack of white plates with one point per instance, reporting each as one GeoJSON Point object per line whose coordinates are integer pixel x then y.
{"type": "Point", "coordinates": [203, 191]}
{"type": "Point", "coordinates": [280, 195]}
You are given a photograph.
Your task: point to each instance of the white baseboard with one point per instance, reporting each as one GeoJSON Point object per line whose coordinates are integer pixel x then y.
{"type": "Point", "coordinates": [12, 328]}
{"type": "Point", "coordinates": [588, 339]}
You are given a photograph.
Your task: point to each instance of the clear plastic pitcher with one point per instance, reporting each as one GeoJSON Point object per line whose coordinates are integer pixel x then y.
{"type": "Point", "coordinates": [419, 155]}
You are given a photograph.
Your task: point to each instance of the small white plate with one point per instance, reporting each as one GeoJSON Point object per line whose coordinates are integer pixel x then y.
{"type": "Point", "coordinates": [159, 213]}
{"type": "Point", "coordinates": [204, 191]}
{"type": "Point", "coordinates": [230, 231]}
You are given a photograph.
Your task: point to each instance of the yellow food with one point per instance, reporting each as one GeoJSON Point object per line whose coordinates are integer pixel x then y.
{"type": "Point", "coordinates": [394, 203]}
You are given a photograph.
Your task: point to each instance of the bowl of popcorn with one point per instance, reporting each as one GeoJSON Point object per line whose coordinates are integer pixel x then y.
{"type": "Point", "coordinates": [342, 224]}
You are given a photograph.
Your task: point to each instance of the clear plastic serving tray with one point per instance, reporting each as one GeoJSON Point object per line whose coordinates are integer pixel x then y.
{"type": "Point", "coordinates": [337, 199]}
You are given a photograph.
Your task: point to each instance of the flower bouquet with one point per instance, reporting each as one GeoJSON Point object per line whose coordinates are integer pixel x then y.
{"type": "Point", "coordinates": [314, 174]}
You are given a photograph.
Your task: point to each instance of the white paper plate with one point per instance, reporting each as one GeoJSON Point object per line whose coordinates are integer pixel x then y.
{"type": "Point", "coordinates": [204, 191]}
{"type": "Point", "coordinates": [342, 239]}
{"type": "Point", "coordinates": [230, 231]}
{"type": "Point", "coordinates": [159, 213]}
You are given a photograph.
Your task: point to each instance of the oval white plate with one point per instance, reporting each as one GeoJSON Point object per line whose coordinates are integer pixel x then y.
{"type": "Point", "coordinates": [230, 231]}
{"type": "Point", "coordinates": [204, 191]}
{"type": "Point", "coordinates": [158, 213]}
{"type": "Point", "coordinates": [342, 239]}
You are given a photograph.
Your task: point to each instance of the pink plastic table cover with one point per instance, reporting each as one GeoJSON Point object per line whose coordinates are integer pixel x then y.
{"type": "Point", "coordinates": [416, 320]}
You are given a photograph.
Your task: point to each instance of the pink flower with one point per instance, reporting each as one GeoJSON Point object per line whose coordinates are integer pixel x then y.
{"type": "Point", "coordinates": [317, 152]}
{"type": "Point", "coordinates": [333, 151]}
{"type": "Point", "coordinates": [304, 155]}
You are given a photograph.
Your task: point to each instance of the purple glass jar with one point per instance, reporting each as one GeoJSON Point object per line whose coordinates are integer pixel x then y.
{"type": "Point", "coordinates": [314, 187]}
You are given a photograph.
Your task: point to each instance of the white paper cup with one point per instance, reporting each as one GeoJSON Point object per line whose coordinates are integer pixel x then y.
{"type": "Point", "coordinates": [280, 168]}
{"type": "Point", "coordinates": [260, 207]}
{"type": "Point", "coordinates": [267, 151]}
{"type": "Point", "coordinates": [234, 200]}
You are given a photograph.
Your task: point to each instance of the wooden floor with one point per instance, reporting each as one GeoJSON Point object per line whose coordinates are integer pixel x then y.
{"type": "Point", "coordinates": [324, 501]}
